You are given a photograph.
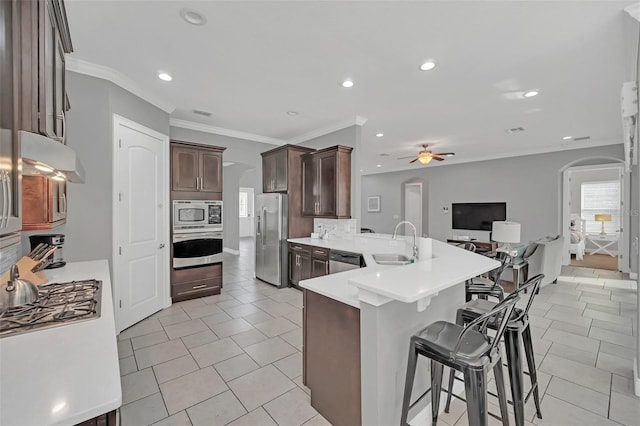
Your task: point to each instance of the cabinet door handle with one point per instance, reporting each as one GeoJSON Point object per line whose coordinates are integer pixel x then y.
{"type": "Point", "coordinates": [326, 268]}
{"type": "Point", "coordinates": [64, 203]}
{"type": "Point", "coordinates": [6, 199]}
{"type": "Point", "coordinates": [63, 138]}
{"type": "Point", "coordinates": [9, 197]}
{"type": "Point", "coordinates": [195, 287]}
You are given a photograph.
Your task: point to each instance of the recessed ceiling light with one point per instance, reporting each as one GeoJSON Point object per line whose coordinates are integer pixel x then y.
{"type": "Point", "coordinates": [347, 83]}
{"type": "Point", "coordinates": [379, 135]}
{"type": "Point", "coordinates": [292, 113]}
{"type": "Point", "coordinates": [378, 165]}
{"type": "Point", "coordinates": [164, 76]}
{"type": "Point", "coordinates": [531, 94]}
{"type": "Point", "coordinates": [361, 170]}
{"type": "Point", "coordinates": [566, 138]}
{"type": "Point", "coordinates": [429, 65]}
{"type": "Point", "coordinates": [193, 17]}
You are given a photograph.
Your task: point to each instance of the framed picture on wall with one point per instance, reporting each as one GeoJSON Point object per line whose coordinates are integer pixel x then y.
{"type": "Point", "coordinates": [373, 204]}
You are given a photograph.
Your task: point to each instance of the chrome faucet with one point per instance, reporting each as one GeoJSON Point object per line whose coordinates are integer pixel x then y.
{"type": "Point", "coordinates": [415, 232]}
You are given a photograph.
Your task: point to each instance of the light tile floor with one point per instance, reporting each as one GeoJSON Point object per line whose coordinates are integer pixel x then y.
{"type": "Point", "coordinates": [235, 358]}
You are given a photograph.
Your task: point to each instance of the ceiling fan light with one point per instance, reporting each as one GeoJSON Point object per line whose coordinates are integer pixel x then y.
{"type": "Point", "coordinates": [424, 159]}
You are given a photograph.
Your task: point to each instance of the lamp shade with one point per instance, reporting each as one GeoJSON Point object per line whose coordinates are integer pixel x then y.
{"type": "Point", "coordinates": [602, 218]}
{"type": "Point", "coordinates": [506, 232]}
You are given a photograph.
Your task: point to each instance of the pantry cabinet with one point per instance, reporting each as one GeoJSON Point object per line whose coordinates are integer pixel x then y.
{"type": "Point", "coordinates": [326, 177]}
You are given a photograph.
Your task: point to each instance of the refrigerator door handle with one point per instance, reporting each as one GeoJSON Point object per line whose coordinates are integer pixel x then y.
{"type": "Point", "coordinates": [264, 218]}
{"type": "Point", "coordinates": [258, 230]}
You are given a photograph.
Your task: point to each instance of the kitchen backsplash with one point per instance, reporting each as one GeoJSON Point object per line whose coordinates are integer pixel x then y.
{"type": "Point", "coordinates": [336, 228]}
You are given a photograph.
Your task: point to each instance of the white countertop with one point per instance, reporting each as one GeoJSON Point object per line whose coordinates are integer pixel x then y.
{"type": "Point", "coordinates": [379, 284]}
{"type": "Point", "coordinates": [64, 374]}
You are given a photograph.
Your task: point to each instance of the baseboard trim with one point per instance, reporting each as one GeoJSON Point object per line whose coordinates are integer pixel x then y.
{"type": "Point", "coordinates": [231, 251]}
{"type": "Point", "coordinates": [636, 379]}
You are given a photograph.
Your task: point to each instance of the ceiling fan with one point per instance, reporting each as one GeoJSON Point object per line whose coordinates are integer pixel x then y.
{"type": "Point", "coordinates": [425, 156]}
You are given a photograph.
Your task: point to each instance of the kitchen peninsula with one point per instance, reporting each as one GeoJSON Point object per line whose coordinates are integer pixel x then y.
{"type": "Point", "coordinates": [68, 373]}
{"type": "Point", "coordinates": [365, 317]}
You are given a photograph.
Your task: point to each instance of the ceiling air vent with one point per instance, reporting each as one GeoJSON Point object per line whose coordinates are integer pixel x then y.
{"type": "Point", "coordinates": [515, 130]}
{"type": "Point", "coordinates": [384, 155]}
{"type": "Point", "coordinates": [582, 138]}
{"type": "Point", "coordinates": [203, 113]}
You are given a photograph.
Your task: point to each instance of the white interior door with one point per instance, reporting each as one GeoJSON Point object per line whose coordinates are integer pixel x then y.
{"type": "Point", "coordinates": [413, 205]}
{"type": "Point", "coordinates": [141, 220]}
{"type": "Point", "coordinates": [246, 212]}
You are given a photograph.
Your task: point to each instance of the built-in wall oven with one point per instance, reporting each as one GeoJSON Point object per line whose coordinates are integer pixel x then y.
{"type": "Point", "coordinates": [197, 233]}
{"type": "Point", "coordinates": [196, 249]}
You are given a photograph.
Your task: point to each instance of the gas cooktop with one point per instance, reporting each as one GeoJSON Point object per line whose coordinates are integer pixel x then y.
{"type": "Point", "coordinates": [57, 304]}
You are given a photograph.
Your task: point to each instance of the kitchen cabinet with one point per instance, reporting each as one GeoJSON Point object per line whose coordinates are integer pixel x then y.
{"type": "Point", "coordinates": [45, 40]}
{"type": "Point", "coordinates": [10, 74]}
{"type": "Point", "coordinates": [196, 168]}
{"type": "Point", "coordinates": [44, 203]}
{"type": "Point", "coordinates": [282, 172]}
{"type": "Point", "coordinates": [299, 263]}
{"type": "Point", "coordinates": [200, 281]}
{"type": "Point", "coordinates": [326, 176]}
{"type": "Point", "coordinates": [274, 171]}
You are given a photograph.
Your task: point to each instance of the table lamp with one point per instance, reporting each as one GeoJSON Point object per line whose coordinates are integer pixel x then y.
{"type": "Point", "coordinates": [603, 218]}
{"type": "Point", "coordinates": [506, 233]}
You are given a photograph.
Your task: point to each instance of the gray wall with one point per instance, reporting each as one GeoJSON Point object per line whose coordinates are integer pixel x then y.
{"type": "Point", "coordinates": [530, 185]}
{"type": "Point", "coordinates": [245, 172]}
{"type": "Point", "coordinates": [349, 136]}
{"type": "Point", "coordinates": [90, 125]}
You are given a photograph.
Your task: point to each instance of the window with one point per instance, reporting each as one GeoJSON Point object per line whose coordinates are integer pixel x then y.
{"type": "Point", "coordinates": [244, 204]}
{"type": "Point", "coordinates": [602, 198]}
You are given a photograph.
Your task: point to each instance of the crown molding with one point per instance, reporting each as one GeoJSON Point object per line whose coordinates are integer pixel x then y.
{"type": "Point", "coordinates": [99, 71]}
{"type": "Point", "coordinates": [184, 124]}
{"type": "Point", "coordinates": [634, 11]}
{"type": "Point", "coordinates": [357, 121]}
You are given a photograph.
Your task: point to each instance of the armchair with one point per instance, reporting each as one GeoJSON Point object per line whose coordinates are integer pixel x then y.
{"type": "Point", "coordinates": [546, 258]}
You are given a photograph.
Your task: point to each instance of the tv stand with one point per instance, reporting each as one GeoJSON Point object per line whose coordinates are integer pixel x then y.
{"type": "Point", "coordinates": [480, 245]}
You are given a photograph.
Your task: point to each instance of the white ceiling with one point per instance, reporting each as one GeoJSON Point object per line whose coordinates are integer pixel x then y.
{"type": "Point", "coordinates": [254, 61]}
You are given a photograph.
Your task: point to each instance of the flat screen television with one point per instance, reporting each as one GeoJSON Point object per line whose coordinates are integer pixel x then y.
{"type": "Point", "coordinates": [477, 216]}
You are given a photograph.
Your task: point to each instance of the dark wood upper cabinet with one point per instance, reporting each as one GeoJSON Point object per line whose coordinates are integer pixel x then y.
{"type": "Point", "coordinates": [196, 168]}
{"type": "Point", "coordinates": [326, 178]}
{"type": "Point", "coordinates": [211, 169]}
{"type": "Point", "coordinates": [274, 166]}
{"type": "Point", "coordinates": [282, 172]}
{"type": "Point", "coordinates": [45, 41]}
{"type": "Point", "coordinates": [44, 203]}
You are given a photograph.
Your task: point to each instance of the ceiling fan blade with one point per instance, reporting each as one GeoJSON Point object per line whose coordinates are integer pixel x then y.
{"type": "Point", "coordinates": [436, 157]}
{"type": "Point", "coordinates": [445, 154]}
{"type": "Point", "coordinates": [413, 161]}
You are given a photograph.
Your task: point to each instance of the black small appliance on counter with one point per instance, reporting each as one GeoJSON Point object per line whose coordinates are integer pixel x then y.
{"type": "Point", "coordinates": [56, 258]}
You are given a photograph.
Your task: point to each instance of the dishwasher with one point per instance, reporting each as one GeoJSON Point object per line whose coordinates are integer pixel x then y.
{"type": "Point", "coordinates": [340, 261]}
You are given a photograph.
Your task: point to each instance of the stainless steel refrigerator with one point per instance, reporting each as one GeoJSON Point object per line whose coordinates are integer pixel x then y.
{"type": "Point", "coordinates": [271, 238]}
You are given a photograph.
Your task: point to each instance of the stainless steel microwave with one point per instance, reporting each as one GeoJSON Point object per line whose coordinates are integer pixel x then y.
{"type": "Point", "coordinates": [196, 216]}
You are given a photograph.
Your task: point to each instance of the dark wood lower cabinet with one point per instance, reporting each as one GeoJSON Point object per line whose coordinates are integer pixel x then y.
{"type": "Point", "coordinates": [106, 419]}
{"type": "Point", "coordinates": [331, 358]}
{"type": "Point", "coordinates": [195, 282]}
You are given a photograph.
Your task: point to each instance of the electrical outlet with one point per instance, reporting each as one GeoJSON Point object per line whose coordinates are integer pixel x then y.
{"type": "Point", "coordinates": [445, 210]}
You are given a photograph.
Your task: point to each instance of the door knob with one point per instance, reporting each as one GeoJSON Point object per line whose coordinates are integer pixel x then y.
{"type": "Point", "coordinates": [161, 246]}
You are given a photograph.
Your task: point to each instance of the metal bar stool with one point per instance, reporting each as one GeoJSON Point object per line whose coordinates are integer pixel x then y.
{"type": "Point", "coordinates": [517, 330]}
{"type": "Point", "coordinates": [468, 349]}
{"type": "Point", "coordinates": [483, 287]}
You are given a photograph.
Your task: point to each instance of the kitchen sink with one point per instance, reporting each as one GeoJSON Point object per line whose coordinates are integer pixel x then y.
{"type": "Point", "coordinates": [391, 259]}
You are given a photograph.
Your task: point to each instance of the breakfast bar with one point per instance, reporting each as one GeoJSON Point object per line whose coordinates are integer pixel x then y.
{"type": "Point", "coordinates": [389, 304]}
